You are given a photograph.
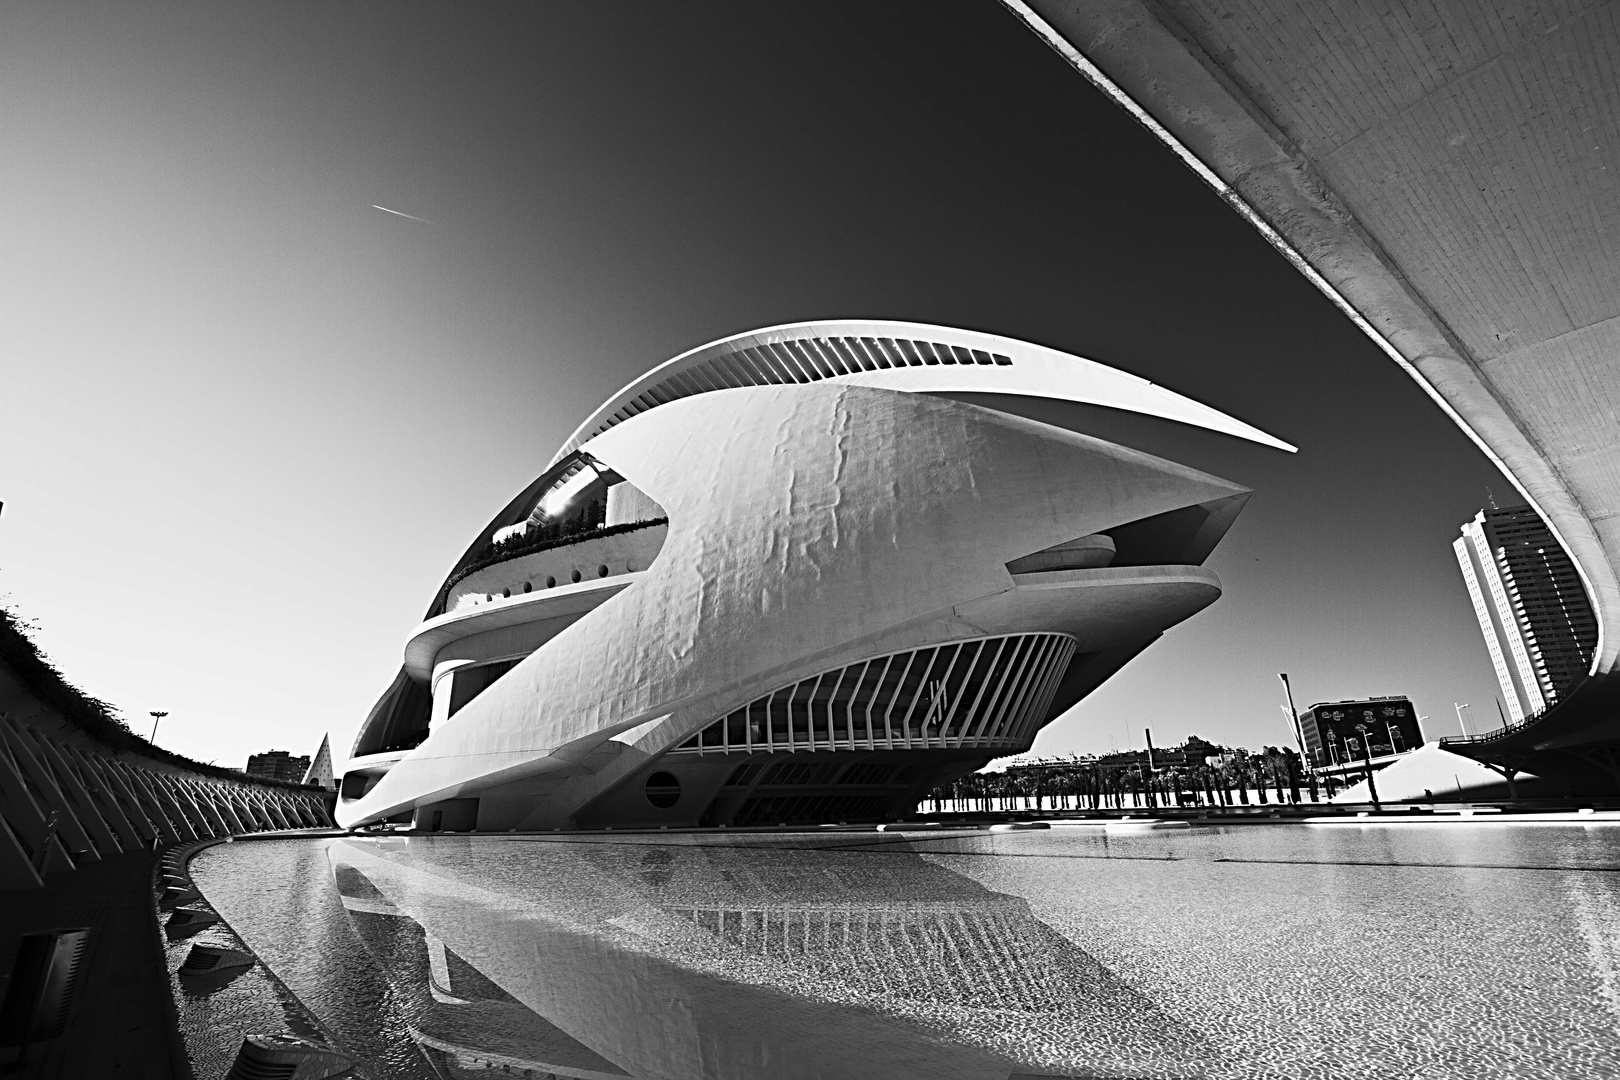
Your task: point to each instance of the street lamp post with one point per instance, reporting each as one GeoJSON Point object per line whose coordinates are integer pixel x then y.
{"type": "Point", "coordinates": [1293, 715]}
{"type": "Point", "coordinates": [1366, 757]}
{"type": "Point", "coordinates": [157, 715]}
{"type": "Point", "coordinates": [1460, 722]}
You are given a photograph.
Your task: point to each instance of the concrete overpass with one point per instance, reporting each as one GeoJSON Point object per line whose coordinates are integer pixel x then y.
{"type": "Point", "coordinates": [1448, 173]}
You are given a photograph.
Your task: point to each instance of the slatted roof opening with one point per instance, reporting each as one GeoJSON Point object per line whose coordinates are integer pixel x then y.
{"type": "Point", "coordinates": [805, 360]}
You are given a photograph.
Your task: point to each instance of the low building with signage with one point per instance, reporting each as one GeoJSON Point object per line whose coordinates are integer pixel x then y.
{"type": "Point", "coordinates": [1347, 733]}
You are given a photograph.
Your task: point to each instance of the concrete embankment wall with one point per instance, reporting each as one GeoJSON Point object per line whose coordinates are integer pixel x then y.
{"type": "Point", "coordinates": [77, 787]}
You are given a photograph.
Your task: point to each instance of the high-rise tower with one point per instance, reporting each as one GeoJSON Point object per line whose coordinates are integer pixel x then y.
{"type": "Point", "coordinates": [1531, 606]}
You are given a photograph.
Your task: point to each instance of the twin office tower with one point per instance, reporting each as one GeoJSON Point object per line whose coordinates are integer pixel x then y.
{"type": "Point", "coordinates": [1531, 605]}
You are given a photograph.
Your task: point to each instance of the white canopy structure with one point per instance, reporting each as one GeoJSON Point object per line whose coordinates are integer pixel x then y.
{"type": "Point", "coordinates": [779, 579]}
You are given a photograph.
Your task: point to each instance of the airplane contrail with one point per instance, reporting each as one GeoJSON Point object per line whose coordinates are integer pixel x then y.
{"type": "Point", "coordinates": [402, 214]}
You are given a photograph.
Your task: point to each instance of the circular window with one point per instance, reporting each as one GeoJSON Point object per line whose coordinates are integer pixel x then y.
{"type": "Point", "coordinates": [527, 586]}
{"type": "Point", "coordinates": [663, 790]}
{"type": "Point", "coordinates": [507, 593]}
{"type": "Point", "coordinates": [576, 575]}
{"type": "Point", "coordinates": [551, 583]}
{"type": "Point", "coordinates": [601, 571]}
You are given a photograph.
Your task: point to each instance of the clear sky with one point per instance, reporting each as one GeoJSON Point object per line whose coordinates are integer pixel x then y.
{"type": "Point", "coordinates": [251, 421]}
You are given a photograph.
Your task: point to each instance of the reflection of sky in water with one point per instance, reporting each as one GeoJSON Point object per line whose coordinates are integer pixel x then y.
{"type": "Point", "coordinates": [1453, 950]}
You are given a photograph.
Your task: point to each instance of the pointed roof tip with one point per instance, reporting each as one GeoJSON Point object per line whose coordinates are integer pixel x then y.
{"type": "Point", "coordinates": [320, 770]}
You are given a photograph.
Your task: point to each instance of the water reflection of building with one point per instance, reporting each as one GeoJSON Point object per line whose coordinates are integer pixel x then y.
{"type": "Point", "coordinates": [676, 960]}
{"type": "Point", "coordinates": [1597, 920]}
{"type": "Point", "coordinates": [462, 1022]}
{"type": "Point", "coordinates": [994, 951]}
{"type": "Point", "coordinates": [781, 578]}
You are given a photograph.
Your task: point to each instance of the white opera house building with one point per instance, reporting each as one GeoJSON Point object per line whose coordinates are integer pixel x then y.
{"type": "Point", "coordinates": [785, 578]}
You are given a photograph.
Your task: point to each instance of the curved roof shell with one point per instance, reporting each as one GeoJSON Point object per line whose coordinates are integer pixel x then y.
{"type": "Point", "coordinates": [914, 357]}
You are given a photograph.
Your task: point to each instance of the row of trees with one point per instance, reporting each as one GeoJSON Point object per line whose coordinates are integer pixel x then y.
{"type": "Point", "coordinates": [1271, 775]}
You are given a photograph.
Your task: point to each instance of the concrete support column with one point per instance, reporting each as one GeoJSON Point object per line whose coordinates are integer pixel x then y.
{"type": "Point", "coordinates": [323, 816]}
{"type": "Point", "coordinates": [299, 809]}
{"type": "Point", "coordinates": [122, 807]}
{"type": "Point", "coordinates": [443, 685]}
{"type": "Point", "coordinates": [165, 820]}
{"type": "Point", "coordinates": [170, 788]}
{"type": "Point", "coordinates": [175, 801]}
{"type": "Point", "coordinates": [72, 832]}
{"type": "Point", "coordinates": [244, 810]}
{"type": "Point", "coordinates": [202, 799]}
{"type": "Point", "coordinates": [277, 819]}
{"type": "Point", "coordinates": [225, 800]}
{"type": "Point", "coordinates": [27, 820]}
{"type": "Point", "coordinates": [16, 872]}
{"type": "Point", "coordinates": [247, 808]}
{"type": "Point", "coordinates": [91, 814]}
{"type": "Point", "coordinates": [251, 810]}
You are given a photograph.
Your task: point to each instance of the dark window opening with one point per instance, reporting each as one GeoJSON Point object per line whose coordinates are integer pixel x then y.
{"type": "Point", "coordinates": [663, 790]}
{"type": "Point", "coordinates": [467, 683]}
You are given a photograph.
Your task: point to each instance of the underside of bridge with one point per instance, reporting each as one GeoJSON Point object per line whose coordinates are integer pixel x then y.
{"type": "Point", "coordinates": [1448, 172]}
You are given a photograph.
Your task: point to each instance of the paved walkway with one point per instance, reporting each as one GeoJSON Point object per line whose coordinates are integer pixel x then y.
{"type": "Point", "coordinates": [122, 1023]}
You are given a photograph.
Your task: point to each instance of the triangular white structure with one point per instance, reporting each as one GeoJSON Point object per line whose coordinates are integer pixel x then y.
{"type": "Point", "coordinates": [320, 769]}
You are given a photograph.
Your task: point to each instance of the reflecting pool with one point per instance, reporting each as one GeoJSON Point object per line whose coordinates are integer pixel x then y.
{"type": "Point", "coordinates": [1451, 950]}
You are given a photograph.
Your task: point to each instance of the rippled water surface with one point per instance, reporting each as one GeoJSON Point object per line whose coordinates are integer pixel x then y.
{"type": "Point", "coordinates": [1445, 950]}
